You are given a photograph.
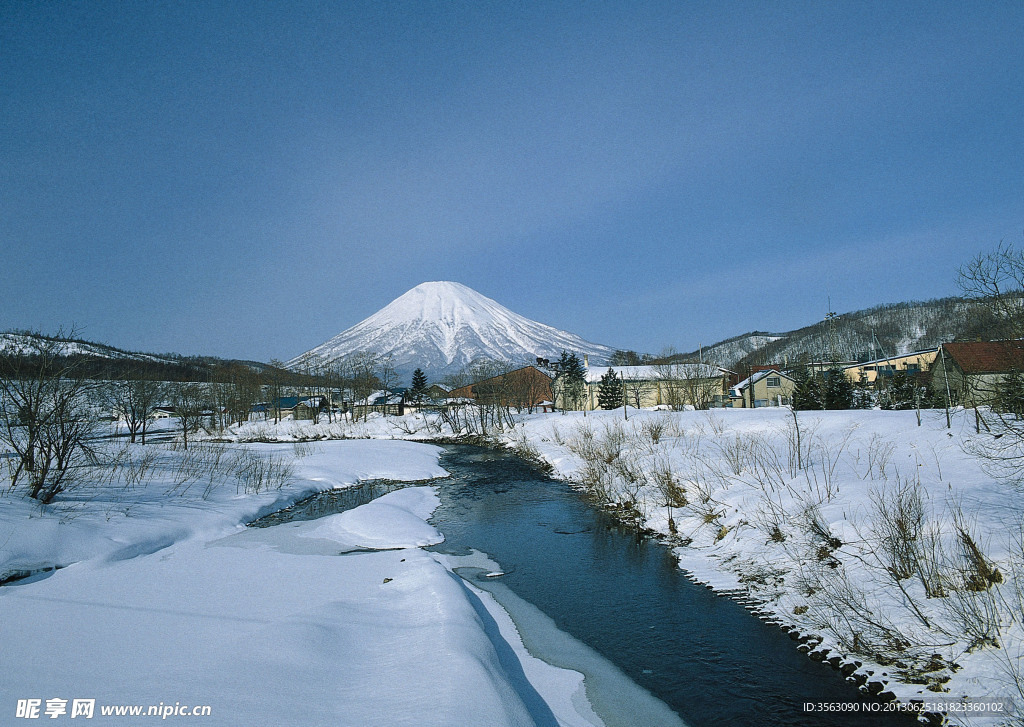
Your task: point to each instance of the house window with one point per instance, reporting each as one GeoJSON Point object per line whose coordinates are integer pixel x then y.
{"type": "Point", "coordinates": [774, 382]}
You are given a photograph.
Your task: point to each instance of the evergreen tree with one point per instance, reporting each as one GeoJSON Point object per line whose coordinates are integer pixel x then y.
{"type": "Point", "coordinates": [862, 398]}
{"type": "Point", "coordinates": [898, 392]}
{"type": "Point", "coordinates": [808, 392]}
{"type": "Point", "coordinates": [571, 380]}
{"type": "Point", "coordinates": [1010, 395]}
{"type": "Point", "coordinates": [609, 393]}
{"type": "Point", "coordinates": [419, 386]}
{"type": "Point", "coordinates": [838, 389]}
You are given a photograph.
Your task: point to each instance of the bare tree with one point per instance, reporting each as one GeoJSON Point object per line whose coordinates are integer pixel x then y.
{"type": "Point", "coordinates": [338, 377]}
{"type": "Point", "coordinates": [365, 380]}
{"type": "Point", "coordinates": [244, 394]}
{"type": "Point", "coordinates": [637, 390]}
{"type": "Point", "coordinates": [274, 388]}
{"type": "Point", "coordinates": [46, 413]}
{"type": "Point", "coordinates": [388, 377]}
{"type": "Point", "coordinates": [190, 404]}
{"type": "Point", "coordinates": [995, 282]}
{"type": "Point", "coordinates": [133, 401]}
{"type": "Point", "coordinates": [688, 383]}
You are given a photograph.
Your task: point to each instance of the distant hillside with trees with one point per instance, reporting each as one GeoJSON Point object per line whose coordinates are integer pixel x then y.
{"type": "Point", "coordinates": [883, 330]}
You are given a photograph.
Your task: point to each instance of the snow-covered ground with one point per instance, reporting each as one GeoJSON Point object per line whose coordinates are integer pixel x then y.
{"type": "Point", "coordinates": [164, 600]}
{"type": "Point", "coordinates": [888, 544]}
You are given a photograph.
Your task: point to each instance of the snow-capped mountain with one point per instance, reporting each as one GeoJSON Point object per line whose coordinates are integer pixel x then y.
{"type": "Point", "coordinates": [441, 327]}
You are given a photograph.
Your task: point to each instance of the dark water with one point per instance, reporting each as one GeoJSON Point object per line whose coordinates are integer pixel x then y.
{"type": "Point", "coordinates": [330, 502]}
{"type": "Point", "coordinates": [704, 655]}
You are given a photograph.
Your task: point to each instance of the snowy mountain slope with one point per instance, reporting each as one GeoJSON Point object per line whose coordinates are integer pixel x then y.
{"type": "Point", "coordinates": [727, 352]}
{"type": "Point", "coordinates": [891, 329]}
{"type": "Point", "coordinates": [101, 360]}
{"type": "Point", "coordinates": [14, 342]}
{"type": "Point", "coordinates": [441, 327]}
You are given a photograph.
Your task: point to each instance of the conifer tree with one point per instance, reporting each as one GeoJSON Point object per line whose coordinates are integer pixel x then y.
{"type": "Point", "coordinates": [898, 392]}
{"type": "Point", "coordinates": [571, 380]}
{"type": "Point", "coordinates": [419, 386]}
{"type": "Point", "coordinates": [609, 392]}
{"type": "Point", "coordinates": [838, 389]}
{"type": "Point", "coordinates": [1010, 394]}
{"type": "Point", "coordinates": [808, 393]}
{"type": "Point", "coordinates": [862, 398]}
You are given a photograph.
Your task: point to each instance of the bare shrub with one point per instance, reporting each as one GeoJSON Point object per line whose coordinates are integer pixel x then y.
{"type": "Point", "coordinates": [864, 625]}
{"type": "Point", "coordinates": [897, 525]}
{"type": "Point", "coordinates": [734, 451]}
{"type": "Point", "coordinates": [978, 616]}
{"type": "Point", "coordinates": [798, 440]}
{"type": "Point", "coordinates": [612, 443]}
{"type": "Point", "coordinates": [409, 426]}
{"type": "Point", "coordinates": [978, 572]}
{"type": "Point", "coordinates": [878, 457]}
{"type": "Point", "coordinates": [255, 473]}
{"type": "Point", "coordinates": [136, 465]}
{"type": "Point", "coordinates": [821, 537]}
{"type": "Point", "coordinates": [656, 429]}
{"type": "Point", "coordinates": [671, 488]}
{"type": "Point", "coordinates": [828, 453]}
{"type": "Point", "coordinates": [715, 423]}
{"type": "Point", "coordinates": [522, 446]}
{"type": "Point", "coordinates": [1011, 657]}
{"type": "Point", "coordinates": [766, 468]}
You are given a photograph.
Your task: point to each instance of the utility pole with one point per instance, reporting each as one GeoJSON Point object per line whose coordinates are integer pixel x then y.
{"type": "Point", "coordinates": [625, 405]}
{"type": "Point", "coordinates": [945, 378]}
{"type": "Point", "coordinates": [833, 342]}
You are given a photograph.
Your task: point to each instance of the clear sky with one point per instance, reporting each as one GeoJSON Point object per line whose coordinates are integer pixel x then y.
{"type": "Point", "coordinates": [249, 179]}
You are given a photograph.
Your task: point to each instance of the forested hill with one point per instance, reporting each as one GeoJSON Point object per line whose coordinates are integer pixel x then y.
{"type": "Point", "coordinates": [100, 361]}
{"type": "Point", "coordinates": [883, 330]}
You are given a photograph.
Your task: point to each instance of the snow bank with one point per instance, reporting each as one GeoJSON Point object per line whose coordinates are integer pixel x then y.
{"type": "Point", "coordinates": [395, 520]}
{"type": "Point", "coordinates": [176, 497]}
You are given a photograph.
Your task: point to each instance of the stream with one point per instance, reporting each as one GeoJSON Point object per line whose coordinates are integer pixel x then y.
{"type": "Point", "coordinates": [704, 655]}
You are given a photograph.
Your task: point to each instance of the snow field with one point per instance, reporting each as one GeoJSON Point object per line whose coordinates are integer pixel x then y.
{"type": "Point", "coordinates": [166, 599]}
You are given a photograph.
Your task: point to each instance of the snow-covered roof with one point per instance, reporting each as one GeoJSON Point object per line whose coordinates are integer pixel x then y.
{"type": "Point", "coordinates": [656, 373]}
{"type": "Point", "coordinates": [757, 376]}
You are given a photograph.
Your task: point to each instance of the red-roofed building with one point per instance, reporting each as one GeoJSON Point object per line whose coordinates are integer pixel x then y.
{"type": "Point", "coordinates": [973, 370]}
{"type": "Point", "coordinates": [526, 388]}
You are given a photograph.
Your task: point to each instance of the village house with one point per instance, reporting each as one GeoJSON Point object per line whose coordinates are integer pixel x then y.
{"type": "Point", "coordinates": [675, 386]}
{"type": "Point", "coordinates": [380, 402]}
{"type": "Point", "coordinates": [767, 387]}
{"type": "Point", "coordinates": [162, 412]}
{"type": "Point", "coordinates": [436, 393]}
{"type": "Point", "coordinates": [524, 388]}
{"type": "Point", "coordinates": [304, 407]}
{"type": "Point", "coordinates": [869, 372]}
{"type": "Point", "coordinates": [972, 371]}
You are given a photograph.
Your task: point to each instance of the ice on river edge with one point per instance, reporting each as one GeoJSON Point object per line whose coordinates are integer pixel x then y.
{"type": "Point", "coordinates": [175, 604]}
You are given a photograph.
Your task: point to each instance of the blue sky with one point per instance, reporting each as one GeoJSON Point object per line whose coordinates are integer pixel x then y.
{"type": "Point", "coordinates": [249, 179]}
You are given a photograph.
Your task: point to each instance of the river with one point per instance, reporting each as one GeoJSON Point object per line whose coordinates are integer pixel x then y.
{"type": "Point", "coordinates": [702, 654]}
